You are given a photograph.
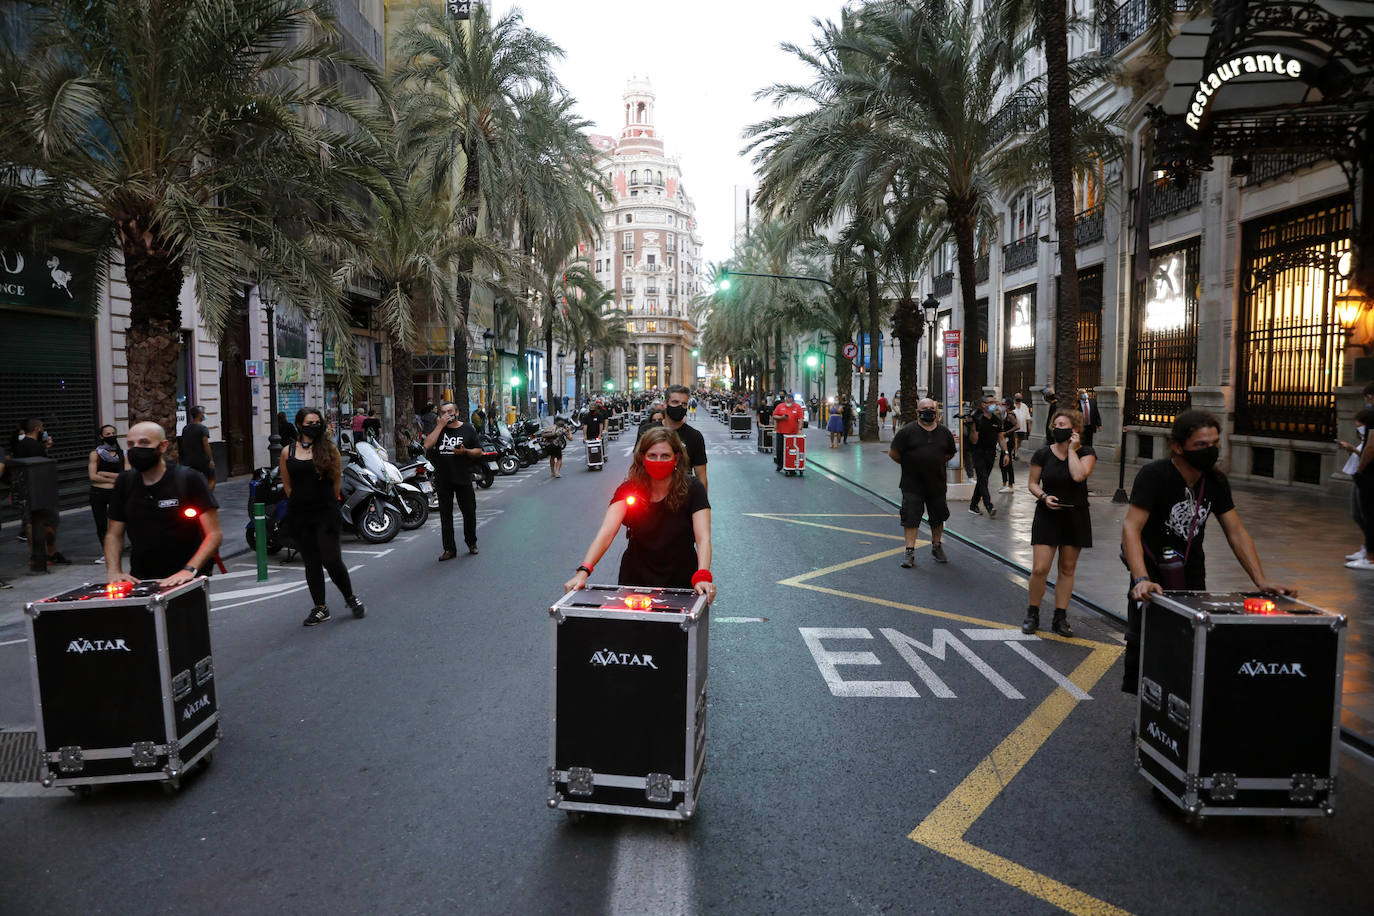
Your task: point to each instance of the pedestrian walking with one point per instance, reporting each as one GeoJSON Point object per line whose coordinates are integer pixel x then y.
{"type": "Point", "coordinates": [883, 407]}
{"type": "Point", "coordinates": [168, 512]}
{"type": "Point", "coordinates": [1008, 446]}
{"type": "Point", "coordinates": [103, 466]}
{"type": "Point", "coordinates": [1161, 537]}
{"type": "Point", "coordinates": [897, 411]}
{"type": "Point", "coordinates": [1023, 421]}
{"type": "Point", "coordinates": [1363, 475]}
{"type": "Point", "coordinates": [667, 518]}
{"type": "Point", "coordinates": [194, 446]}
{"type": "Point", "coordinates": [835, 427]}
{"type": "Point", "coordinates": [453, 444]}
{"type": "Point", "coordinates": [1059, 475]}
{"type": "Point", "coordinates": [923, 448]}
{"type": "Point", "coordinates": [986, 438]}
{"type": "Point", "coordinates": [1352, 464]}
{"type": "Point", "coordinates": [359, 418]}
{"type": "Point", "coordinates": [847, 416]}
{"type": "Point", "coordinates": [554, 440]}
{"type": "Point", "coordinates": [675, 420]}
{"type": "Point", "coordinates": [33, 442]}
{"type": "Point", "coordinates": [1051, 404]}
{"type": "Point", "coordinates": [286, 430]}
{"type": "Point", "coordinates": [372, 426]}
{"type": "Point", "coordinates": [311, 472]}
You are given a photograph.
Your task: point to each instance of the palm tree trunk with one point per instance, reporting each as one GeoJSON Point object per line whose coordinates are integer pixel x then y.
{"type": "Point", "coordinates": [403, 388]}
{"type": "Point", "coordinates": [868, 421]}
{"type": "Point", "coordinates": [908, 326]}
{"type": "Point", "coordinates": [778, 368]}
{"type": "Point", "coordinates": [844, 372]}
{"type": "Point", "coordinates": [548, 362]}
{"type": "Point", "coordinates": [470, 205]}
{"type": "Point", "coordinates": [1061, 176]}
{"type": "Point", "coordinates": [961, 215]}
{"type": "Point", "coordinates": [153, 339]}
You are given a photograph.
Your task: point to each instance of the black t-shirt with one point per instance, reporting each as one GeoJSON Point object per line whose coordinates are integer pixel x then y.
{"type": "Point", "coordinates": [456, 467]}
{"type": "Point", "coordinates": [1056, 479]}
{"type": "Point", "coordinates": [1173, 506]}
{"type": "Point", "coordinates": [193, 437]}
{"type": "Point", "coordinates": [988, 428]}
{"type": "Point", "coordinates": [372, 425]}
{"type": "Point", "coordinates": [29, 447]}
{"type": "Point", "coordinates": [163, 539]}
{"type": "Point", "coordinates": [924, 454]}
{"type": "Point", "coordinates": [662, 548]}
{"type": "Point", "coordinates": [592, 422]}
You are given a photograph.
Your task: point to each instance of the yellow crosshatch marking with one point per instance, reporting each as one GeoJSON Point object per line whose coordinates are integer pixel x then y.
{"type": "Point", "coordinates": [944, 828]}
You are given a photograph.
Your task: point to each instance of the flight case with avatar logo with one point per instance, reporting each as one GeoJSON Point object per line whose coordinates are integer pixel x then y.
{"type": "Point", "coordinates": [627, 702]}
{"type": "Point", "coordinates": [1239, 703]}
{"type": "Point", "coordinates": [124, 684]}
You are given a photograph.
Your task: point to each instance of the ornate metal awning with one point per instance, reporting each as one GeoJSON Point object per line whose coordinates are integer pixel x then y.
{"type": "Point", "coordinates": [1274, 76]}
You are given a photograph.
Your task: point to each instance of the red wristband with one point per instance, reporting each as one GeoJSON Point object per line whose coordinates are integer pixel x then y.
{"type": "Point", "coordinates": [588, 569]}
{"type": "Point", "coordinates": [701, 575]}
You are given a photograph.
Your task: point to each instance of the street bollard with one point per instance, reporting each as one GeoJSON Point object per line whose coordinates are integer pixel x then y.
{"type": "Point", "coordinates": [260, 538]}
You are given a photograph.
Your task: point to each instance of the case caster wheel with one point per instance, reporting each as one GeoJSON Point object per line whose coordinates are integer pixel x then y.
{"type": "Point", "coordinates": [1193, 819]}
{"type": "Point", "coordinates": [172, 786]}
{"type": "Point", "coordinates": [576, 817]}
{"type": "Point", "coordinates": [207, 760]}
{"type": "Point", "coordinates": [81, 791]}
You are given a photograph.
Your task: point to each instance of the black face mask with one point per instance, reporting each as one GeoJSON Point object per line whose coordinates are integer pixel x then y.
{"type": "Point", "coordinates": [1061, 435]}
{"type": "Point", "coordinates": [926, 416]}
{"type": "Point", "coordinates": [144, 459]}
{"type": "Point", "coordinates": [312, 431]}
{"type": "Point", "coordinates": [675, 413]}
{"type": "Point", "coordinates": [1202, 458]}
{"type": "Point", "coordinates": [111, 441]}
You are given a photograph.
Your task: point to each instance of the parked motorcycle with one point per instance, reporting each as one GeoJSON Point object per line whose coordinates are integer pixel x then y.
{"type": "Point", "coordinates": [365, 508]}
{"type": "Point", "coordinates": [420, 473]}
{"type": "Point", "coordinates": [266, 488]}
{"type": "Point", "coordinates": [413, 504]}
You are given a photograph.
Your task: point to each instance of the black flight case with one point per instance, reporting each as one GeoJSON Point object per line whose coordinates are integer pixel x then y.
{"type": "Point", "coordinates": [627, 701]}
{"type": "Point", "coordinates": [765, 439]}
{"type": "Point", "coordinates": [1239, 703]}
{"type": "Point", "coordinates": [124, 686]}
{"type": "Point", "coordinates": [740, 424]}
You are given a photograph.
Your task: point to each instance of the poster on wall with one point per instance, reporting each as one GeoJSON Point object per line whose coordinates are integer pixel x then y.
{"type": "Point", "coordinates": [291, 345]}
{"type": "Point", "coordinates": [953, 396]}
{"type": "Point", "coordinates": [53, 280]}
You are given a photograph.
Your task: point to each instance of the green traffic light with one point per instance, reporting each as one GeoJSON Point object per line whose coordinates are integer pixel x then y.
{"type": "Point", "coordinates": [696, 353]}
{"type": "Point", "coordinates": [609, 384]}
{"type": "Point", "coordinates": [723, 285]}
{"type": "Point", "coordinates": [812, 361]}
{"type": "Point", "coordinates": [516, 381]}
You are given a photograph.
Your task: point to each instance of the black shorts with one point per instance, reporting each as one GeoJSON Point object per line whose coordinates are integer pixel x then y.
{"type": "Point", "coordinates": [555, 451]}
{"type": "Point", "coordinates": [932, 505]}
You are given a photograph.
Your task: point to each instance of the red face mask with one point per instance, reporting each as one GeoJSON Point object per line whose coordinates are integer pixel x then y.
{"type": "Point", "coordinates": [660, 470]}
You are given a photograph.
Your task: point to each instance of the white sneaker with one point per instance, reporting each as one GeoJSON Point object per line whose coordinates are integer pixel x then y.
{"type": "Point", "coordinates": [1006, 490]}
{"type": "Point", "coordinates": [1357, 555]}
{"type": "Point", "coordinates": [1362, 563]}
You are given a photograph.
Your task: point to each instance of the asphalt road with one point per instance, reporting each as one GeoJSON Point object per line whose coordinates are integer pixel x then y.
{"type": "Point", "coordinates": [397, 764]}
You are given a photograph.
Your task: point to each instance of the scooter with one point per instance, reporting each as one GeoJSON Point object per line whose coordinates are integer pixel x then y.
{"type": "Point", "coordinates": [411, 500]}
{"type": "Point", "coordinates": [365, 508]}
{"type": "Point", "coordinates": [420, 473]}
{"type": "Point", "coordinates": [266, 488]}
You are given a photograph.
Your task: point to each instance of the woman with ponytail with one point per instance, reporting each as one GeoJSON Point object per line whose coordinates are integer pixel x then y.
{"type": "Point", "coordinates": [310, 470]}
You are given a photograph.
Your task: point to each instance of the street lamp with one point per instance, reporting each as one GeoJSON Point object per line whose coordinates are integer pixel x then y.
{"type": "Point", "coordinates": [930, 310]}
{"type": "Point", "coordinates": [488, 337]}
{"type": "Point", "coordinates": [274, 434]}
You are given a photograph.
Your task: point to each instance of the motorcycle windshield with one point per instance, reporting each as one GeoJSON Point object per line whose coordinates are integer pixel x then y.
{"type": "Point", "coordinates": [373, 460]}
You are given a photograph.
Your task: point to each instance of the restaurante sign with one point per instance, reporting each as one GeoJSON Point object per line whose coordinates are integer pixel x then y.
{"type": "Point", "coordinates": [1249, 63]}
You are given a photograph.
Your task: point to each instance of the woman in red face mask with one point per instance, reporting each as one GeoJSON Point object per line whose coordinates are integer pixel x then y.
{"type": "Point", "coordinates": [667, 519]}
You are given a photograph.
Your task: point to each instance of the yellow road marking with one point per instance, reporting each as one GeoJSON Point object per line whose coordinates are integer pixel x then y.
{"type": "Point", "coordinates": [789, 520]}
{"type": "Point", "coordinates": [944, 828]}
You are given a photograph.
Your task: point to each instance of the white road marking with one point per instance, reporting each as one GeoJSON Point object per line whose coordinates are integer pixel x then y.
{"type": "Point", "coordinates": [369, 553]}
{"type": "Point", "coordinates": [14, 642]}
{"type": "Point", "coordinates": [277, 591]}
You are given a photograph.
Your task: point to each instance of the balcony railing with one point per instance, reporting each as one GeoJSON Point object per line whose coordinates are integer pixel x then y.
{"type": "Point", "coordinates": [1015, 115]}
{"type": "Point", "coordinates": [651, 268]}
{"type": "Point", "coordinates": [1128, 22]}
{"type": "Point", "coordinates": [1169, 199]}
{"type": "Point", "coordinates": [1087, 226]}
{"type": "Point", "coordinates": [1267, 167]}
{"type": "Point", "coordinates": [980, 270]}
{"type": "Point", "coordinates": [1020, 253]}
{"type": "Point", "coordinates": [944, 284]}
{"type": "Point", "coordinates": [651, 290]}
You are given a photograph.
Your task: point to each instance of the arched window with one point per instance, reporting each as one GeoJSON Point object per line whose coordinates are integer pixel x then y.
{"type": "Point", "coordinates": [1022, 215]}
{"type": "Point", "coordinates": [634, 176]}
{"type": "Point", "coordinates": [629, 217]}
{"type": "Point", "coordinates": [660, 178]}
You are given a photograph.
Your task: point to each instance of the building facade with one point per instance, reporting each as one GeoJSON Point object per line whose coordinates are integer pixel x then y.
{"type": "Point", "coordinates": [649, 253]}
{"type": "Point", "coordinates": [1219, 291]}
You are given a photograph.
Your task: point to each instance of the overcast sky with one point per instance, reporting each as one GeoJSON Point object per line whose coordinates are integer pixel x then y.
{"type": "Point", "coordinates": [705, 58]}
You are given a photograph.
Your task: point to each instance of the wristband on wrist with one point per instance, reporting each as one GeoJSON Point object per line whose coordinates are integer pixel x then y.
{"type": "Point", "coordinates": [701, 575]}
{"type": "Point", "coordinates": [585, 568]}
{"type": "Point", "coordinates": [189, 569]}
{"type": "Point", "coordinates": [1139, 579]}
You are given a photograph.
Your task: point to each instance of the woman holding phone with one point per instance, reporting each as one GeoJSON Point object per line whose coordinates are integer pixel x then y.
{"type": "Point", "coordinates": [1059, 482]}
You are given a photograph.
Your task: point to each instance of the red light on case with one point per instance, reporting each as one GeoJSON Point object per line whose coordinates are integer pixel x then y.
{"type": "Point", "coordinates": [629, 500]}
{"type": "Point", "coordinates": [117, 589]}
{"type": "Point", "coordinates": [190, 512]}
{"type": "Point", "coordinates": [639, 602]}
{"type": "Point", "coordinates": [1260, 606]}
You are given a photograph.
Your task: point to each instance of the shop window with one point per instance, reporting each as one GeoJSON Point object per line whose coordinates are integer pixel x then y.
{"type": "Point", "coordinates": [1021, 215]}
{"type": "Point", "coordinates": [1089, 328]}
{"type": "Point", "coordinates": [1262, 462]}
{"type": "Point", "coordinates": [1018, 360]}
{"type": "Point", "coordinates": [1289, 343]}
{"type": "Point", "coordinates": [1307, 467]}
{"type": "Point", "coordinates": [1162, 360]}
{"type": "Point", "coordinates": [651, 326]}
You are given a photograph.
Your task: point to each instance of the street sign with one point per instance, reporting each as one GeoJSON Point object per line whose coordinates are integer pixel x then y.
{"type": "Point", "coordinates": [850, 350]}
{"type": "Point", "coordinates": [953, 396]}
{"type": "Point", "coordinates": [255, 368]}
{"type": "Point", "coordinates": [458, 9]}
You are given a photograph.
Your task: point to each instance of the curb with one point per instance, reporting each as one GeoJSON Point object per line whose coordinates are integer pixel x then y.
{"type": "Point", "coordinates": [1351, 739]}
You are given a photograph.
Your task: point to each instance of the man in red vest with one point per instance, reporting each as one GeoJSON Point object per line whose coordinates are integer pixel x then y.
{"type": "Point", "coordinates": [787, 417]}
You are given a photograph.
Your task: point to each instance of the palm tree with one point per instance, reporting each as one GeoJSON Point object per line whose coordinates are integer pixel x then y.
{"type": "Point", "coordinates": [461, 84]}
{"type": "Point", "coordinates": [909, 248]}
{"type": "Point", "coordinates": [177, 134]}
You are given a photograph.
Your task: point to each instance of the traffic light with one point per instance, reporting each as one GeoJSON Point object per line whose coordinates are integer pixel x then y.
{"type": "Point", "coordinates": [723, 284]}
{"type": "Point", "coordinates": [516, 381]}
{"type": "Point", "coordinates": [812, 360]}
{"type": "Point", "coordinates": [609, 385]}
{"type": "Point", "coordinates": [695, 354]}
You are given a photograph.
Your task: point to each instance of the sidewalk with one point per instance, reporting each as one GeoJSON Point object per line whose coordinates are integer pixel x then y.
{"type": "Point", "coordinates": [1301, 537]}
{"type": "Point", "coordinates": [77, 542]}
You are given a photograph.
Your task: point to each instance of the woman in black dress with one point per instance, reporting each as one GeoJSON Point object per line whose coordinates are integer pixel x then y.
{"type": "Point", "coordinates": [1059, 482]}
{"type": "Point", "coordinates": [667, 520]}
{"type": "Point", "coordinates": [310, 469]}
